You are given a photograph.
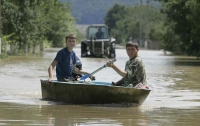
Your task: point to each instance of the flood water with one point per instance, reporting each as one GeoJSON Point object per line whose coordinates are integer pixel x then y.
{"type": "Point", "coordinates": [173, 101]}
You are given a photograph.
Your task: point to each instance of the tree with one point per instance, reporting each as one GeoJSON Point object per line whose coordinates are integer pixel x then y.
{"type": "Point", "coordinates": [31, 22]}
{"type": "Point", "coordinates": [183, 19]}
{"type": "Point", "coordinates": [61, 24]}
{"type": "Point", "coordinates": [114, 14]}
{"type": "Point", "coordinates": [132, 23]}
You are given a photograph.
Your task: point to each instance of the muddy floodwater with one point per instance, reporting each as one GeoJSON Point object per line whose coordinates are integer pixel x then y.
{"type": "Point", "coordinates": [173, 101]}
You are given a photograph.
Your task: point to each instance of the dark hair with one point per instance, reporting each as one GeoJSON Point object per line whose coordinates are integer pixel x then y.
{"type": "Point", "coordinates": [70, 36]}
{"type": "Point", "coordinates": [133, 44]}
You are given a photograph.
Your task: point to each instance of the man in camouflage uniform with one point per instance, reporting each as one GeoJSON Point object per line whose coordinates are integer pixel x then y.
{"type": "Point", "coordinates": [134, 69]}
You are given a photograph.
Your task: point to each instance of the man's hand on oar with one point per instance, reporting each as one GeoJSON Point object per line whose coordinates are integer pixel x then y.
{"type": "Point", "coordinates": [92, 78]}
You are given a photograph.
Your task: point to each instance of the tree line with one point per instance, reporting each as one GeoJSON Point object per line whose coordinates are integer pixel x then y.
{"type": "Point", "coordinates": [182, 34]}
{"type": "Point", "coordinates": [28, 23]}
{"type": "Point", "coordinates": [139, 23]}
{"type": "Point", "coordinates": [175, 25]}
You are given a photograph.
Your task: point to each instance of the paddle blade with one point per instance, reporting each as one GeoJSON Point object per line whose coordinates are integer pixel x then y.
{"type": "Point", "coordinates": [85, 76]}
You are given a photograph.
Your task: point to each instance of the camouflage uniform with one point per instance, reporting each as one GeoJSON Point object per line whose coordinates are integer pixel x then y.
{"type": "Point", "coordinates": [135, 73]}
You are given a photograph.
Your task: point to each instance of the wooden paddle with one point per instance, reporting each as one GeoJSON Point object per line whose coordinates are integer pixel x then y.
{"type": "Point", "coordinates": [89, 75]}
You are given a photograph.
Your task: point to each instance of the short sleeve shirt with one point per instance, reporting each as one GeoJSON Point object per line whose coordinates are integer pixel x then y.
{"type": "Point", "coordinates": [135, 72]}
{"type": "Point", "coordinates": [65, 60]}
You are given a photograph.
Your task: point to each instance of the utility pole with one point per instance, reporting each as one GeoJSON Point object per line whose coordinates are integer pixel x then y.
{"type": "Point", "coordinates": [140, 21]}
{"type": "Point", "coordinates": [146, 22]}
{"type": "Point", "coordinates": [0, 22]}
{"type": "Point", "coordinates": [0, 27]}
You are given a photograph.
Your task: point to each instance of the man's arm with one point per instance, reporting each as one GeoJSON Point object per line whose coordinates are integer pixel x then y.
{"type": "Point", "coordinates": [50, 69]}
{"type": "Point", "coordinates": [119, 71]}
{"type": "Point", "coordinates": [77, 71]}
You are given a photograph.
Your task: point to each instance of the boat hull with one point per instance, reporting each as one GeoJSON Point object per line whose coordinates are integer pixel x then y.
{"type": "Point", "coordinates": [84, 93]}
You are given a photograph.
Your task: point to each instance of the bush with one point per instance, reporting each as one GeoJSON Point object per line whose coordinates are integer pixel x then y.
{"type": "Point", "coordinates": [3, 56]}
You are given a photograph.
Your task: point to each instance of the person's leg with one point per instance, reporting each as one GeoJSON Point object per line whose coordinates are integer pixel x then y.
{"type": "Point", "coordinates": [61, 79]}
{"type": "Point", "coordinates": [118, 83]}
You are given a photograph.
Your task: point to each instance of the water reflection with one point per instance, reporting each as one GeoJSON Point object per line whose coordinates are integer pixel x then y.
{"type": "Point", "coordinates": [70, 115]}
{"type": "Point", "coordinates": [186, 61]}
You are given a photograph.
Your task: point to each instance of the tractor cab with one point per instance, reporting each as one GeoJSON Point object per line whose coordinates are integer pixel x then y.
{"type": "Point", "coordinates": [97, 32]}
{"type": "Point", "coordinates": [98, 42]}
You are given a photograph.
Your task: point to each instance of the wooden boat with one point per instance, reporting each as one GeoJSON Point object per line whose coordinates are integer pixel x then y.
{"type": "Point", "coordinates": [91, 93]}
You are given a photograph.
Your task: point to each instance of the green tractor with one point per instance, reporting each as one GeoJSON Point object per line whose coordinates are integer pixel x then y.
{"type": "Point", "coordinates": [98, 43]}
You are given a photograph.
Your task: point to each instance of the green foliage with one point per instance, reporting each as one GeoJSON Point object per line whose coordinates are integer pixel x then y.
{"type": "Point", "coordinates": [5, 42]}
{"type": "Point", "coordinates": [47, 44]}
{"type": "Point", "coordinates": [183, 19]}
{"type": "Point", "coordinates": [61, 24]}
{"type": "Point", "coordinates": [130, 22]}
{"type": "Point", "coordinates": [34, 21]}
{"type": "Point", "coordinates": [3, 56]}
{"type": "Point", "coordinates": [114, 19]}
{"type": "Point", "coordinates": [116, 13]}
{"type": "Point", "coordinates": [172, 42]}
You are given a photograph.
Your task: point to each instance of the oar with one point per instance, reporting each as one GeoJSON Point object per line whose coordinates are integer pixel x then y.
{"type": "Point", "coordinates": [89, 75]}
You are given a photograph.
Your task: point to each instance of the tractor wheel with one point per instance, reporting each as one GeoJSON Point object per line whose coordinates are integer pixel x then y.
{"type": "Point", "coordinates": [112, 55]}
{"type": "Point", "coordinates": [83, 50]}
